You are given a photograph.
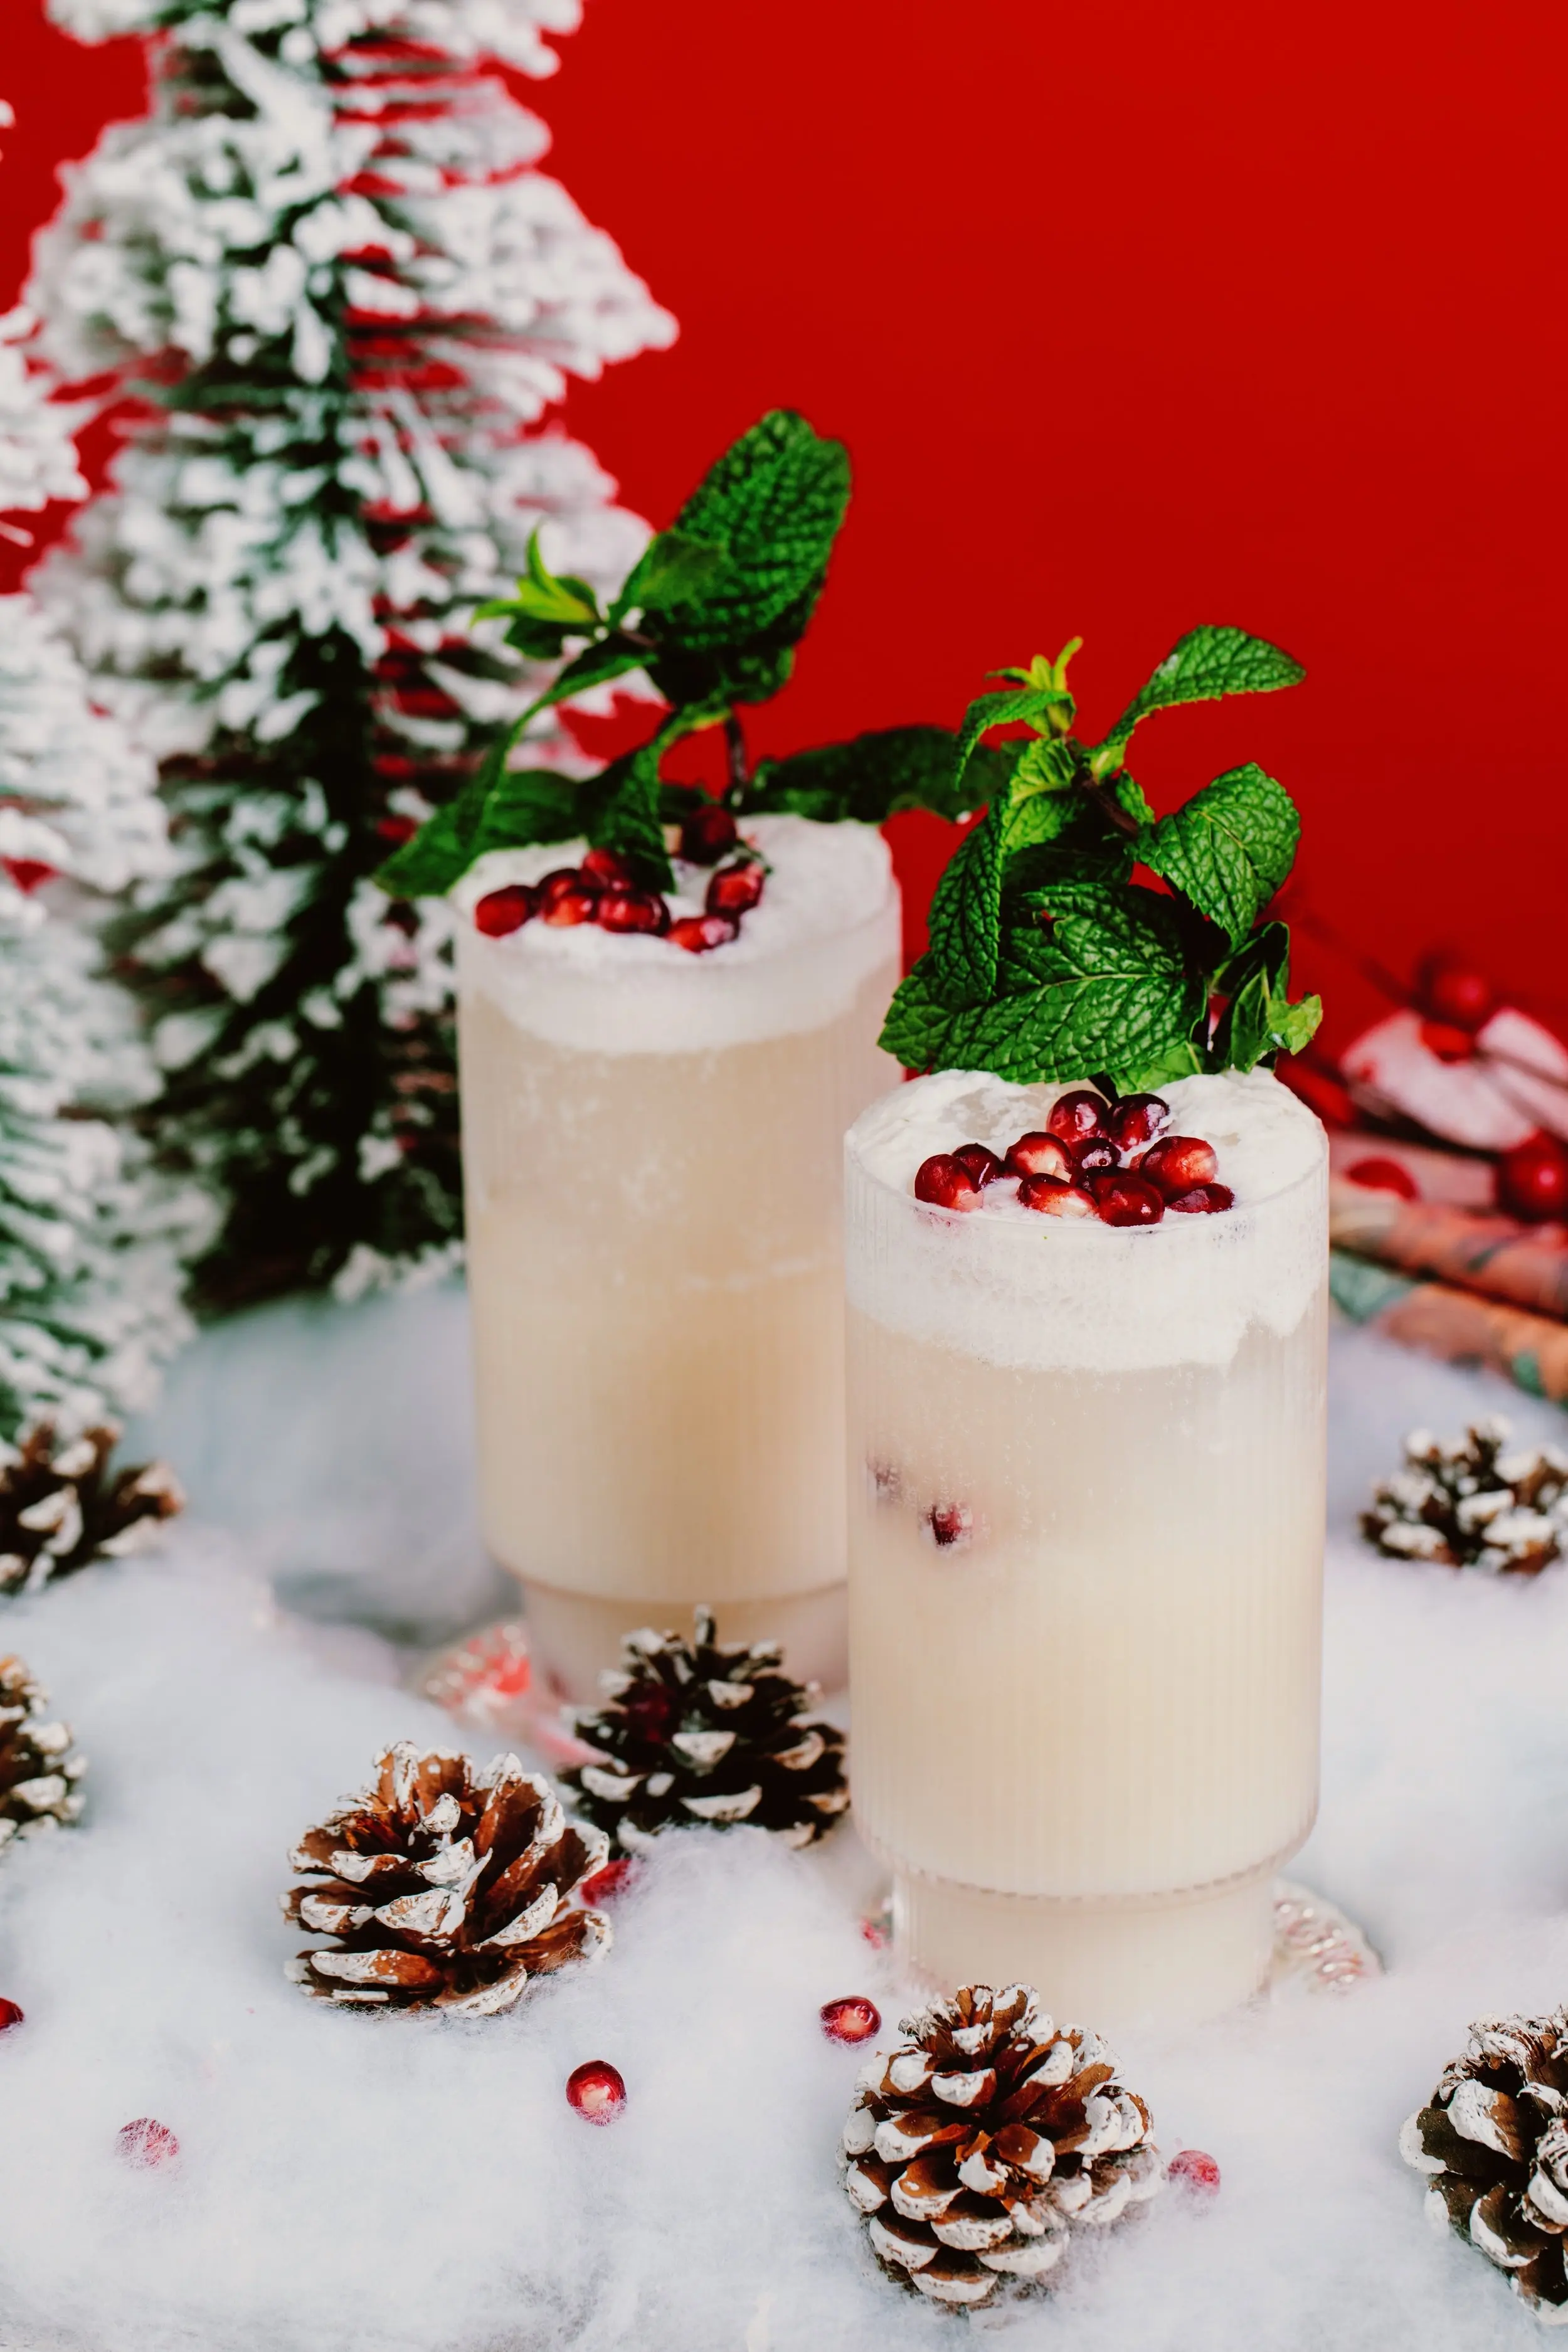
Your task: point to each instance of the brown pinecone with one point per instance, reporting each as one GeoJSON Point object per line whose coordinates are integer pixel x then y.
{"type": "Point", "coordinates": [1472, 1503]}
{"type": "Point", "coordinates": [38, 1768]}
{"type": "Point", "coordinates": [60, 1510]}
{"type": "Point", "coordinates": [979, 2143]}
{"type": "Point", "coordinates": [1494, 2141]}
{"type": "Point", "coordinates": [700, 1735]}
{"type": "Point", "coordinates": [443, 1887]}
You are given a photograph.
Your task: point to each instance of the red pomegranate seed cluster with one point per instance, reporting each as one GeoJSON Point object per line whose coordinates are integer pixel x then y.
{"type": "Point", "coordinates": [604, 890]}
{"type": "Point", "coordinates": [1115, 1161]}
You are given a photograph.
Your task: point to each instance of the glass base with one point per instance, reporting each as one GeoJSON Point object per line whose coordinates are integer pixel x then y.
{"type": "Point", "coordinates": [574, 1638]}
{"type": "Point", "coordinates": [1160, 1960]}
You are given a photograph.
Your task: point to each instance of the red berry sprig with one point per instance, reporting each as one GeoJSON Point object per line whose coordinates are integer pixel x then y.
{"type": "Point", "coordinates": [1093, 1159]}
{"type": "Point", "coordinates": [596, 2090]}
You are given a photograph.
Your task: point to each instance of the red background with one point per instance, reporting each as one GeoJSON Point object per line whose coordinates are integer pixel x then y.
{"type": "Point", "coordinates": [1133, 315]}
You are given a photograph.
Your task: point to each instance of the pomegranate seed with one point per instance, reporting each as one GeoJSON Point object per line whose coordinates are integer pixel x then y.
{"type": "Point", "coordinates": [27, 873]}
{"type": "Point", "coordinates": [1039, 1154]}
{"type": "Point", "coordinates": [984, 1167]}
{"type": "Point", "coordinates": [1177, 1162]}
{"type": "Point", "coordinates": [949, 1523]}
{"type": "Point", "coordinates": [602, 1886]}
{"type": "Point", "coordinates": [9, 2015]}
{"type": "Point", "coordinates": [946, 1183]}
{"type": "Point", "coordinates": [147, 2143]}
{"type": "Point", "coordinates": [397, 829]}
{"type": "Point", "coordinates": [853, 2018]}
{"type": "Point", "coordinates": [1093, 1157]}
{"type": "Point", "coordinates": [1532, 1179]}
{"type": "Point", "coordinates": [1075, 1116]}
{"type": "Point", "coordinates": [735, 889]}
{"type": "Point", "coordinates": [1453, 991]}
{"type": "Point", "coordinates": [1138, 1118]}
{"type": "Point", "coordinates": [567, 896]}
{"type": "Point", "coordinates": [698, 933]}
{"type": "Point", "coordinates": [501, 911]}
{"type": "Point", "coordinates": [596, 2090]}
{"type": "Point", "coordinates": [632, 911]}
{"type": "Point", "coordinates": [1122, 1200]}
{"type": "Point", "coordinates": [706, 835]}
{"type": "Point", "coordinates": [1202, 1200]}
{"type": "Point", "coordinates": [1384, 1176]}
{"type": "Point", "coordinates": [1195, 2170]}
{"type": "Point", "coordinates": [1447, 1043]}
{"type": "Point", "coordinates": [605, 867]}
{"type": "Point", "coordinates": [1054, 1199]}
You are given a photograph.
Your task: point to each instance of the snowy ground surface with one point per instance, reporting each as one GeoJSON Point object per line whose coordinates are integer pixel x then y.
{"type": "Point", "coordinates": [353, 2184]}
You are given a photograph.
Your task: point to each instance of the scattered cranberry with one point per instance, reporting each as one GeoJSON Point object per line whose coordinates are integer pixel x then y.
{"type": "Point", "coordinates": [1039, 1154]}
{"type": "Point", "coordinates": [1095, 1155]}
{"type": "Point", "coordinates": [147, 2143]}
{"type": "Point", "coordinates": [706, 835]}
{"type": "Point", "coordinates": [1137, 1119]}
{"type": "Point", "coordinates": [1177, 1162]}
{"type": "Point", "coordinates": [596, 2090]}
{"type": "Point", "coordinates": [1202, 1200]}
{"type": "Point", "coordinates": [698, 933]}
{"type": "Point", "coordinates": [567, 896]}
{"type": "Point", "coordinates": [735, 889]}
{"type": "Point", "coordinates": [1452, 990]}
{"type": "Point", "coordinates": [501, 911]}
{"type": "Point", "coordinates": [631, 910]}
{"type": "Point", "coordinates": [946, 1183]}
{"type": "Point", "coordinates": [949, 1523]}
{"type": "Point", "coordinates": [1123, 1199]}
{"type": "Point", "coordinates": [9, 2015]}
{"type": "Point", "coordinates": [609, 869]}
{"type": "Point", "coordinates": [397, 829]}
{"type": "Point", "coordinates": [983, 1166]}
{"type": "Point", "coordinates": [1054, 1199]}
{"type": "Point", "coordinates": [854, 2019]}
{"type": "Point", "coordinates": [1076, 1116]}
{"type": "Point", "coordinates": [1532, 1179]}
{"type": "Point", "coordinates": [1384, 1176]}
{"type": "Point", "coordinates": [1446, 1042]}
{"type": "Point", "coordinates": [1195, 2170]}
{"type": "Point", "coordinates": [602, 1886]}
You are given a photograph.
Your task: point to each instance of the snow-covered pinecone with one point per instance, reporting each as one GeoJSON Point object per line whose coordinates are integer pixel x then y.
{"type": "Point", "coordinates": [1472, 1503]}
{"type": "Point", "coordinates": [698, 1734]}
{"type": "Point", "coordinates": [60, 1510]}
{"type": "Point", "coordinates": [1494, 2141]}
{"type": "Point", "coordinates": [979, 2143]}
{"type": "Point", "coordinates": [38, 1769]}
{"type": "Point", "coordinates": [443, 1887]}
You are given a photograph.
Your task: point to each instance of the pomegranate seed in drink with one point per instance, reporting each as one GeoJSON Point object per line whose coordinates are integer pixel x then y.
{"type": "Point", "coordinates": [853, 2018]}
{"type": "Point", "coordinates": [1177, 1162]}
{"type": "Point", "coordinates": [946, 1183]}
{"type": "Point", "coordinates": [1532, 1179]}
{"type": "Point", "coordinates": [1195, 2170]}
{"type": "Point", "coordinates": [605, 867]}
{"type": "Point", "coordinates": [1076, 1116]}
{"type": "Point", "coordinates": [950, 1524]}
{"type": "Point", "coordinates": [147, 2143]}
{"type": "Point", "coordinates": [735, 889]}
{"type": "Point", "coordinates": [698, 933]}
{"type": "Point", "coordinates": [501, 911]}
{"type": "Point", "coordinates": [1137, 1119]}
{"type": "Point", "coordinates": [596, 2090]}
{"type": "Point", "coordinates": [602, 1886]}
{"type": "Point", "coordinates": [707, 834]}
{"type": "Point", "coordinates": [1452, 990]}
{"type": "Point", "coordinates": [9, 2015]}
{"type": "Point", "coordinates": [983, 1165]}
{"type": "Point", "coordinates": [1039, 1154]}
{"type": "Point", "coordinates": [1127, 1200]}
{"type": "Point", "coordinates": [631, 910]}
{"type": "Point", "coordinates": [567, 896]}
{"type": "Point", "coordinates": [1054, 1199]}
{"type": "Point", "coordinates": [1092, 1157]}
{"type": "Point", "coordinates": [1202, 1200]}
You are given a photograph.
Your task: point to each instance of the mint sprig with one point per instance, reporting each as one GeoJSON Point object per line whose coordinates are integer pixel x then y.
{"type": "Point", "coordinates": [1048, 961]}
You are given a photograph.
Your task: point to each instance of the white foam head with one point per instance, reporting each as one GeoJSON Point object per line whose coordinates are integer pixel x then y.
{"type": "Point", "coordinates": [1013, 1287]}
{"type": "Point", "coordinates": [827, 920]}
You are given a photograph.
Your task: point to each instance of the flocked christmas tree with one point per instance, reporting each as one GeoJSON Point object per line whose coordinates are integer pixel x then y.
{"type": "Point", "coordinates": [90, 1240]}
{"type": "Point", "coordinates": [325, 268]}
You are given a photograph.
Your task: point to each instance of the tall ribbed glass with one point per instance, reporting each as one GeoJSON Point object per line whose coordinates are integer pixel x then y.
{"type": "Point", "coordinates": [1086, 1553]}
{"type": "Point", "coordinates": [652, 1146]}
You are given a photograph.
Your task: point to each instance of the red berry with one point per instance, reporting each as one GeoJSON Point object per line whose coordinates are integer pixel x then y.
{"type": "Point", "coordinates": [501, 911]}
{"type": "Point", "coordinates": [1177, 1162]}
{"type": "Point", "coordinates": [631, 910]}
{"type": "Point", "coordinates": [946, 1183]}
{"type": "Point", "coordinates": [9, 2015]}
{"type": "Point", "coordinates": [397, 829]}
{"type": "Point", "coordinates": [949, 1523]}
{"type": "Point", "coordinates": [1195, 2170]}
{"type": "Point", "coordinates": [1094, 1155]}
{"type": "Point", "coordinates": [27, 873]}
{"type": "Point", "coordinates": [567, 896]}
{"type": "Point", "coordinates": [1039, 1154]}
{"type": "Point", "coordinates": [596, 2090]}
{"type": "Point", "coordinates": [147, 2143]}
{"type": "Point", "coordinates": [1122, 1200]}
{"type": "Point", "coordinates": [1202, 1200]}
{"type": "Point", "coordinates": [1075, 1116]}
{"type": "Point", "coordinates": [1384, 1176]}
{"type": "Point", "coordinates": [698, 933]}
{"type": "Point", "coordinates": [1448, 1042]}
{"type": "Point", "coordinates": [605, 867]}
{"type": "Point", "coordinates": [735, 889]}
{"type": "Point", "coordinates": [1054, 1199]}
{"type": "Point", "coordinates": [1452, 990]}
{"type": "Point", "coordinates": [983, 1166]}
{"type": "Point", "coordinates": [853, 2018]}
{"type": "Point", "coordinates": [1137, 1119]}
{"type": "Point", "coordinates": [1532, 1179]}
{"type": "Point", "coordinates": [706, 835]}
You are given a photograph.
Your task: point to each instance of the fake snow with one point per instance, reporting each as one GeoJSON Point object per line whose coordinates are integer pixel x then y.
{"type": "Point", "coordinates": [351, 2184]}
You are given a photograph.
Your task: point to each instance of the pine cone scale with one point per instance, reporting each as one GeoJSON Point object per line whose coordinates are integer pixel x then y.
{"type": "Point", "coordinates": [59, 1511]}
{"type": "Point", "coordinates": [38, 1768]}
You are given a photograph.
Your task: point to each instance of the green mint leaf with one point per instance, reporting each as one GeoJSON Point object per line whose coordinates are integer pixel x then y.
{"type": "Point", "coordinates": [608, 657]}
{"type": "Point", "coordinates": [872, 777]}
{"type": "Point", "coordinates": [1229, 848]}
{"type": "Point", "coordinates": [1207, 663]}
{"type": "Point", "coordinates": [526, 805]}
{"type": "Point", "coordinates": [673, 569]}
{"type": "Point", "coordinates": [1010, 705]}
{"type": "Point", "coordinates": [1259, 1019]}
{"type": "Point", "coordinates": [772, 507]}
{"type": "Point", "coordinates": [621, 810]}
{"type": "Point", "coordinates": [428, 866]}
{"type": "Point", "coordinates": [965, 920]}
